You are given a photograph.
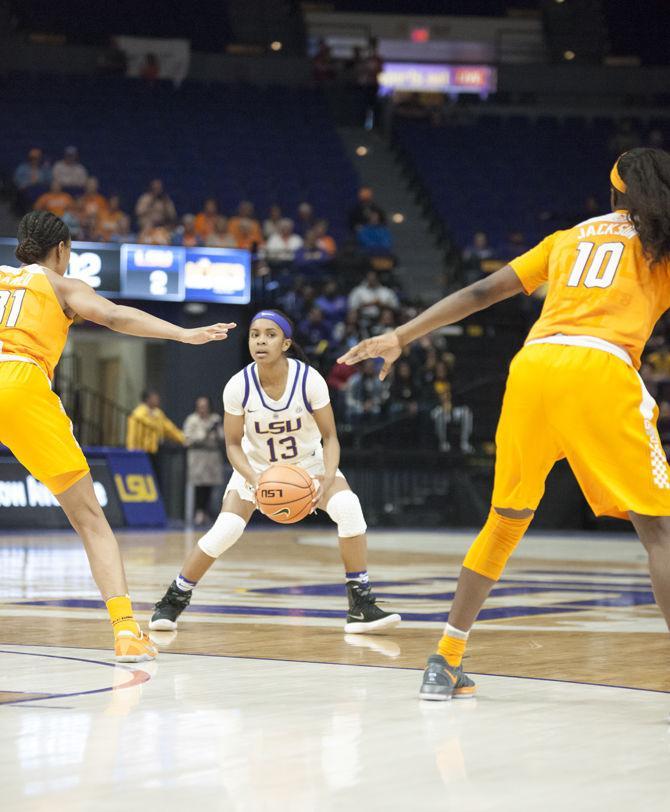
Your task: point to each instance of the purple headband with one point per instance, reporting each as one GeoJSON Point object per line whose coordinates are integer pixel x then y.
{"type": "Point", "coordinates": [280, 321]}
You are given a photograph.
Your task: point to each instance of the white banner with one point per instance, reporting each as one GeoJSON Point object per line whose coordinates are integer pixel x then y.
{"type": "Point", "coordinates": [173, 56]}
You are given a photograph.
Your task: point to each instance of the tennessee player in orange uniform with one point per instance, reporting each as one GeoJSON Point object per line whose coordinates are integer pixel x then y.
{"type": "Point", "coordinates": [573, 390]}
{"type": "Point", "coordinates": [37, 305]}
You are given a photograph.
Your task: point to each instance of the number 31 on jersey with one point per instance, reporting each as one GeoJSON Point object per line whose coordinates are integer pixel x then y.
{"type": "Point", "coordinates": [16, 298]}
{"type": "Point", "coordinates": [603, 264]}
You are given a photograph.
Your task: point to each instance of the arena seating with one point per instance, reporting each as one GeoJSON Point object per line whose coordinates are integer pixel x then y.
{"type": "Point", "coordinates": [268, 145]}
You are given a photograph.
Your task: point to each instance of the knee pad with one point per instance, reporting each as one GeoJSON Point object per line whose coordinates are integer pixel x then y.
{"type": "Point", "coordinates": [344, 508]}
{"type": "Point", "coordinates": [490, 551]}
{"type": "Point", "coordinates": [222, 534]}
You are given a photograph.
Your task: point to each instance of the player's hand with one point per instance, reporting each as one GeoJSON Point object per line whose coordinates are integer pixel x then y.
{"type": "Point", "coordinates": [323, 485]}
{"type": "Point", "coordinates": [203, 335]}
{"type": "Point", "coordinates": [386, 346]}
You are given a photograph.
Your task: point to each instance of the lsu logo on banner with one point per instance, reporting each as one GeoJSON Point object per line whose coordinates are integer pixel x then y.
{"type": "Point", "coordinates": [136, 487]}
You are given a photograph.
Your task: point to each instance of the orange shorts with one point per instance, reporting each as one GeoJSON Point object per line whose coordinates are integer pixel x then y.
{"type": "Point", "coordinates": [592, 408]}
{"type": "Point", "coordinates": [35, 428]}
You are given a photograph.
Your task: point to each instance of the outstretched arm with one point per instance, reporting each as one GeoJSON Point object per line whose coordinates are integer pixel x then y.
{"type": "Point", "coordinates": [482, 294]}
{"type": "Point", "coordinates": [82, 300]}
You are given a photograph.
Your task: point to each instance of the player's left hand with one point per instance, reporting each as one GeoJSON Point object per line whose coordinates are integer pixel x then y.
{"type": "Point", "coordinates": [203, 335]}
{"type": "Point", "coordinates": [386, 346]}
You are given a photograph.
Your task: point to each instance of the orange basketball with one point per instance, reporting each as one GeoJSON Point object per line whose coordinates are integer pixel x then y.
{"type": "Point", "coordinates": [285, 493]}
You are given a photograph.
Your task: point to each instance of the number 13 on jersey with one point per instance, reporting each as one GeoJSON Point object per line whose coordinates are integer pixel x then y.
{"type": "Point", "coordinates": [607, 254]}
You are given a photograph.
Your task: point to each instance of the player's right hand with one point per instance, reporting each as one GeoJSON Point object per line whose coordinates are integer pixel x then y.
{"type": "Point", "coordinates": [386, 346]}
{"type": "Point", "coordinates": [203, 335]}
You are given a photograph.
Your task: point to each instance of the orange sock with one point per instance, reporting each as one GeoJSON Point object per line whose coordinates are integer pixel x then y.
{"type": "Point", "coordinates": [452, 645]}
{"type": "Point", "coordinates": [121, 615]}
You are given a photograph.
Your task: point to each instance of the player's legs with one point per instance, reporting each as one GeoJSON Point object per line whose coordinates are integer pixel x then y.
{"type": "Point", "coordinates": [344, 508]}
{"type": "Point", "coordinates": [654, 533]}
{"type": "Point", "coordinates": [236, 510]}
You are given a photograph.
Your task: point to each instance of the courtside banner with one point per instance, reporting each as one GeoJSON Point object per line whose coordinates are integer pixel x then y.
{"type": "Point", "coordinates": [136, 487]}
{"type": "Point", "coordinates": [28, 504]}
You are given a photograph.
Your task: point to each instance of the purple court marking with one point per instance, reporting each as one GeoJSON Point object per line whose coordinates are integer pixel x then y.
{"type": "Point", "coordinates": [75, 693]}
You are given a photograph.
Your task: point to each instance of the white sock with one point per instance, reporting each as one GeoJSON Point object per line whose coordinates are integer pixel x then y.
{"type": "Point", "coordinates": [183, 584]}
{"type": "Point", "coordinates": [452, 631]}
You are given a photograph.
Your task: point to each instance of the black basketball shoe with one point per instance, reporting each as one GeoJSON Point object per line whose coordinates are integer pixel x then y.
{"type": "Point", "coordinates": [168, 609]}
{"type": "Point", "coordinates": [364, 616]}
{"type": "Point", "coordinates": [442, 681]}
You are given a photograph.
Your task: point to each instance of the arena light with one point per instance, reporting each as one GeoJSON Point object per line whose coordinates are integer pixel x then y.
{"type": "Point", "coordinates": [361, 151]}
{"type": "Point", "coordinates": [398, 217]}
{"type": "Point", "coordinates": [569, 55]}
{"type": "Point", "coordinates": [276, 45]}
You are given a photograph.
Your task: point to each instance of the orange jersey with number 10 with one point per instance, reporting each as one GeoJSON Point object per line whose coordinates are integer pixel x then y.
{"type": "Point", "coordinates": [600, 284]}
{"type": "Point", "coordinates": [32, 323]}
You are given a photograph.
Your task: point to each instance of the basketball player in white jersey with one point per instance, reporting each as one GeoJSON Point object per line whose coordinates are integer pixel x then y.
{"type": "Point", "coordinates": [277, 410]}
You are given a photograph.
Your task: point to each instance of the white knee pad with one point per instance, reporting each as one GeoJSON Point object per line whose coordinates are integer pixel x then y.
{"type": "Point", "coordinates": [222, 534]}
{"type": "Point", "coordinates": [344, 508]}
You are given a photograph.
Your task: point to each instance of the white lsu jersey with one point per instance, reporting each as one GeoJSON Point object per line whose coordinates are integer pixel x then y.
{"type": "Point", "coordinates": [281, 430]}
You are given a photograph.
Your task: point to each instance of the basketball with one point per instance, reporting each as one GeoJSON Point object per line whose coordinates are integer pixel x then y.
{"type": "Point", "coordinates": [285, 493]}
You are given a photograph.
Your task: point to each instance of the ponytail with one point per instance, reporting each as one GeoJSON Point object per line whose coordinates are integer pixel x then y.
{"type": "Point", "coordinates": [646, 173]}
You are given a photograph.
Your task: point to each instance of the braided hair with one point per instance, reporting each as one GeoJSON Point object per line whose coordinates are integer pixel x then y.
{"type": "Point", "coordinates": [646, 173]}
{"type": "Point", "coordinates": [39, 232]}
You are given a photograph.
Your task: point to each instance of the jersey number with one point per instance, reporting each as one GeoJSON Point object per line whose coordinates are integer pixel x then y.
{"type": "Point", "coordinates": [607, 254]}
{"type": "Point", "coordinates": [291, 448]}
{"type": "Point", "coordinates": [15, 310]}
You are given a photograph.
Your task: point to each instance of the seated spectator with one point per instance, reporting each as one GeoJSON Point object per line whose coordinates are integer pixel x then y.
{"type": "Point", "coordinates": [478, 249]}
{"type": "Point", "coordinates": [123, 232]}
{"type": "Point", "coordinates": [252, 228]}
{"type": "Point", "coordinates": [367, 299]}
{"type": "Point", "coordinates": [73, 219]}
{"type": "Point", "coordinates": [271, 225]}
{"type": "Point", "coordinates": [332, 304]}
{"type": "Point", "coordinates": [359, 215]}
{"type": "Point", "coordinates": [440, 382]}
{"type": "Point", "coordinates": [323, 64]}
{"type": "Point", "coordinates": [404, 393]}
{"type": "Point", "coordinates": [315, 334]}
{"type": "Point", "coordinates": [246, 234]}
{"type": "Point", "coordinates": [220, 237]}
{"type": "Point", "coordinates": [292, 301]}
{"type": "Point", "coordinates": [444, 414]}
{"type": "Point", "coordinates": [155, 207]}
{"type": "Point", "coordinates": [310, 259]}
{"type": "Point", "coordinates": [205, 219]}
{"type": "Point", "coordinates": [374, 237]}
{"type": "Point", "coordinates": [305, 220]}
{"type": "Point", "coordinates": [32, 172]}
{"type": "Point", "coordinates": [154, 234]}
{"type": "Point", "coordinates": [185, 234]}
{"type": "Point", "coordinates": [281, 247]}
{"type": "Point", "coordinates": [55, 200]}
{"type": "Point", "coordinates": [110, 220]}
{"type": "Point", "coordinates": [69, 171]}
{"type": "Point", "coordinates": [92, 202]}
{"type": "Point", "coordinates": [387, 322]}
{"type": "Point", "coordinates": [323, 239]}
{"type": "Point", "coordinates": [366, 394]}
{"type": "Point", "coordinates": [339, 376]}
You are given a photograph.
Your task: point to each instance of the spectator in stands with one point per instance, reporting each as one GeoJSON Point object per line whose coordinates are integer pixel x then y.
{"type": "Point", "coordinates": [337, 380]}
{"type": "Point", "coordinates": [148, 426]}
{"type": "Point", "coordinates": [34, 171]}
{"type": "Point", "coordinates": [387, 322]}
{"type": "Point", "coordinates": [205, 219]}
{"type": "Point", "coordinates": [155, 207]}
{"type": "Point", "coordinates": [370, 296]}
{"type": "Point", "coordinates": [323, 64]}
{"type": "Point", "coordinates": [440, 379]}
{"type": "Point", "coordinates": [374, 237]}
{"type": "Point", "coordinates": [359, 215]}
{"type": "Point", "coordinates": [323, 239]}
{"type": "Point", "coordinates": [309, 258]}
{"type": "Point", "coordinates": [281, 247]}
{"type": "Point", "coordinates": [478, 249]}
{"type": "Point", "coordinates": [55, 200]}
{"type": "Point", "coordinates": [246, 234]}
{"type": "Point", "coordinates": [154, 234]}
{"type": "Point", "coordinates": [305, 221]}
{"type": "Point", "coordinates": [271, 225]}
{"type": "Point", "coordinates": [110, 220]}
{"type": "Point", "coordinates": [92, 202]}
{"type": "Point", "coordinates": [315, 334]}
{"type": "Point", "coordinates": [112, 61]}
{"type": "Point", "coordinates": [69, 171]}
{"type": "Point", "coordinates": [514, 246]}
{"type": "Point", "coordinates": [123, 232]}
{"type": "Point", "coordinates": [332, 304]}
{"type": "Point", "coordinates": [404, 393]}
{"type": "Point", "coordinates": [250, 225]}
{"type": "Point", "coordinates": [74, 220]}
{"type": "Point", "coordinates": [220, 236]}
{"type": "Point", "coordinates": [203, 434]}
{"type": "Point", "coordinates": [368, 80]}
{"type": "Point", "coordinates": [151, 69]}
{"type": "Point", "coordinates": [365, 394]}
{"type": "Point", "coordinates": [444, 414]}
{"type": "Point", "coordinates": [185, 234]}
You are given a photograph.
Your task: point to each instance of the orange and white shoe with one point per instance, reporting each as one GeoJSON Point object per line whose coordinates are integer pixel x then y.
{"type": "Point", "coordinates": [129, 648]}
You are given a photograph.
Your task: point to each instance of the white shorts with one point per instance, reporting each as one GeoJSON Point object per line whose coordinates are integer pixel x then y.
{"type": "Point", "coordinates": [237, 483]}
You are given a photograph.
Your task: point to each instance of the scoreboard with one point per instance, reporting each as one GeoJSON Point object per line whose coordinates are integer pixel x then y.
{"type": "Point", "coordinates": [166, 273]}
